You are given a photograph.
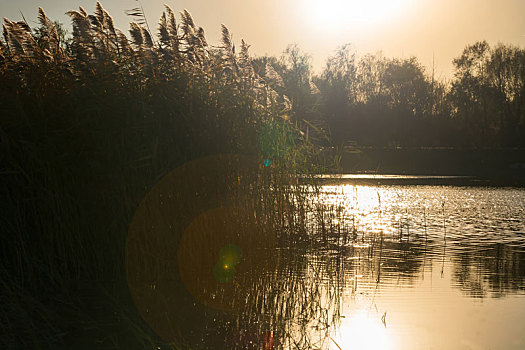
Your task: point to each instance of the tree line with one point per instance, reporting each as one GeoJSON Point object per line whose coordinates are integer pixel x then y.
{"type": "Point", "coordinates": [369, 100]}
{"type": "Point", "coordinates": [391, 102]}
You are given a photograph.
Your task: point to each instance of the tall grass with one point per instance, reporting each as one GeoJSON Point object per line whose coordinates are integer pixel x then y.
{"type": "Point", "coordinates": [89, 124]}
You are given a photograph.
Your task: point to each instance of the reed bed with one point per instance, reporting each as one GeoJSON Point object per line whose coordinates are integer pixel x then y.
{"type": "Point", "coordinates": [90, 123]}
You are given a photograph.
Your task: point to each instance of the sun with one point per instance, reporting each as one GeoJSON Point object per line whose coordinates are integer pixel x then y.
{"type": "Point", "coordinates": [340, 14]}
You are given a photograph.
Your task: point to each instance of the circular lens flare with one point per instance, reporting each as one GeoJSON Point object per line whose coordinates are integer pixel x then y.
{"type": "Point", "coordinates": [223, 273]}
{"type": "Point", "coordinates": [230, 255]}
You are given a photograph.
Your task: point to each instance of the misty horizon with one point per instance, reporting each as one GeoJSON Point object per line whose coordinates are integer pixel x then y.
{"type": "Point", "coordinates": [434, 33]}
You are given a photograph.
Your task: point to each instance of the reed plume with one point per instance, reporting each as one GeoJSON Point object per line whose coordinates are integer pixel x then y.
{"type": "Point", "coordinates": [94, 119]}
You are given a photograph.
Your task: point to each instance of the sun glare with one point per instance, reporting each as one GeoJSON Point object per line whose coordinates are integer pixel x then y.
{"type": "Point", "coordinates": [362, 332]}
{"type": "Point", "coordinates": [340, 14]}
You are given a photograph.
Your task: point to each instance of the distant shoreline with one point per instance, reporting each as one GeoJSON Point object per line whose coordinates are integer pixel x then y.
{"type": "Point", "coordinates": [498, 167]}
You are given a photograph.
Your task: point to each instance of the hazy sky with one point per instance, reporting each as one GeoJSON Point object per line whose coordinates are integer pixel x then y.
{"type": "Point", "coordinates": [400, 28]}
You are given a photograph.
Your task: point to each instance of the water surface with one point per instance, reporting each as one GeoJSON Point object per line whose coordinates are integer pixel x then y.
{"type": "Point", "coordinates": [352, 266]}
{"type": "Point", "coordinates": [448, 274]}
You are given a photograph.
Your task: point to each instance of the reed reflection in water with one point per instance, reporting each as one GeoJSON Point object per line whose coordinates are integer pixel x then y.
{"type": "Point", "coordinates": [380, 267]}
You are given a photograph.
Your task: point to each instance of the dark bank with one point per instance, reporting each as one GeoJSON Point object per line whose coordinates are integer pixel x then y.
{"type": "Point", "coordinates": [496, 167]}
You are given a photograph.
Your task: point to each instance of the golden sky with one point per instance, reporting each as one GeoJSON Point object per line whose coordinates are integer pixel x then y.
{"type": "Point", "coordinates": [399, 28]}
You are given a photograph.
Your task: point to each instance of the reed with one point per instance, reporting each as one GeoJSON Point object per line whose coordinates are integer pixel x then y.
{"type": "Point", "coordinates": [90, 123]}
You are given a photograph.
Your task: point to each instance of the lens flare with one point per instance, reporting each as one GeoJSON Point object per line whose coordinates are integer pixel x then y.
{"type": "Point", "coordinates": [223, 273]}
{"type": "Point", "coordinates": [230, 255]}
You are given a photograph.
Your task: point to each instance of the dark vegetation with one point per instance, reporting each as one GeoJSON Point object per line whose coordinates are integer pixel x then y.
{"type": "Point", "coordinates": [91, 121]}
{"type": "Point", "coordinates": [389, 102]}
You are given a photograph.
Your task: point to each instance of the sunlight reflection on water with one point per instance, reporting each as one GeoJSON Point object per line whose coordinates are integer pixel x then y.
{"type": "Point", "coordinates": [477, 211]}
{"type": "Point", "coordinates": [362, 330]}
{"type": "Point", "coordinates": [446, 249]}
{"type": "Point", "coordinates": [397, 267]}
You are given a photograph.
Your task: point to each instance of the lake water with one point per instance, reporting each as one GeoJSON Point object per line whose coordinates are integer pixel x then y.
{"type": "Point", "coordinates": [383, 266]}
{"type": "Point", "coordinates": [450, 274]}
